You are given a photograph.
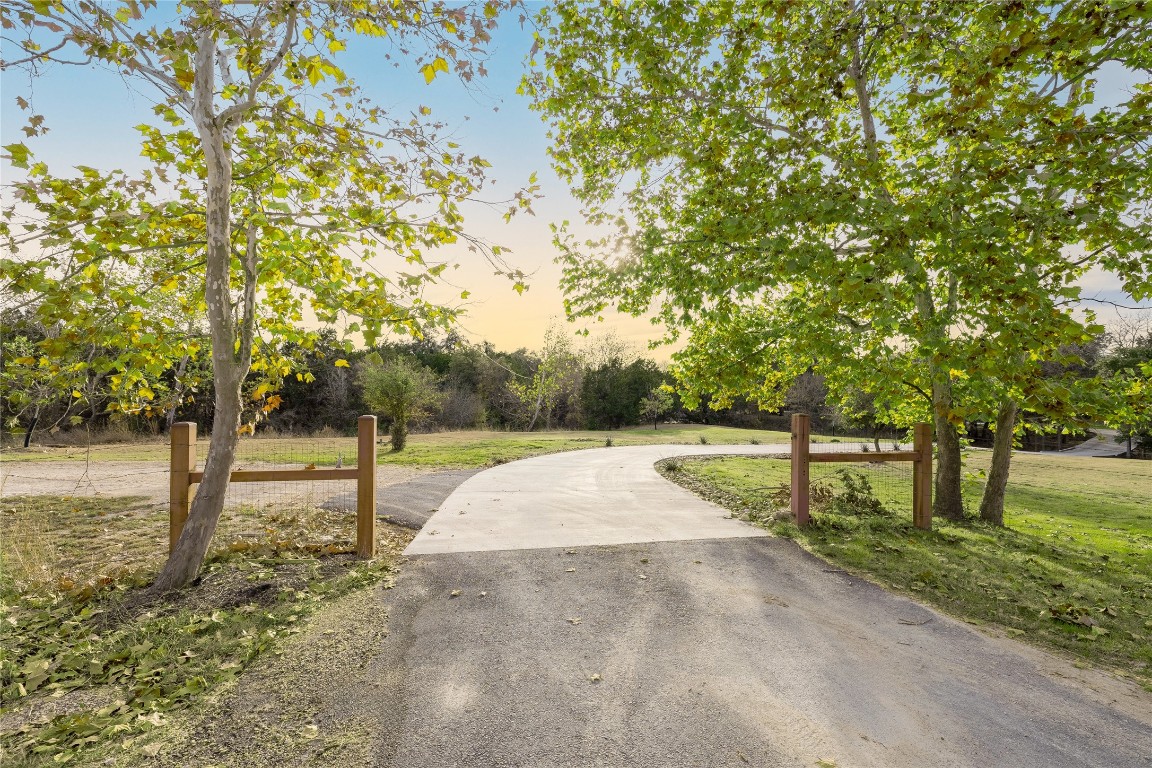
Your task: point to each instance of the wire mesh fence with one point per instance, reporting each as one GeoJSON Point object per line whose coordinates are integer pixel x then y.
{"type": "Point", "coordinates": [889, 483]}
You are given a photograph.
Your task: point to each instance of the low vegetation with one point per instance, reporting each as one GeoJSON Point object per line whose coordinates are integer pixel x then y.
{"type": "Point", "coordinates": [1071, 570]}
{"type": "Point", "coordinates": [92, 661]}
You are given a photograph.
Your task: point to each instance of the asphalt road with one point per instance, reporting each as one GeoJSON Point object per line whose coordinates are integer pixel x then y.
{"type": "Point", "coordinates": [714, 651]}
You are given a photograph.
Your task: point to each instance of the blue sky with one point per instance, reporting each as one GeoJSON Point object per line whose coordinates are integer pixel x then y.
{"type": "Point", "coordinates": [91, 113]}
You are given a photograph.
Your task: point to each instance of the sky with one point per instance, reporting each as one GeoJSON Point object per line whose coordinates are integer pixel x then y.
{"type": "Point", "coordinates": [91, 113]}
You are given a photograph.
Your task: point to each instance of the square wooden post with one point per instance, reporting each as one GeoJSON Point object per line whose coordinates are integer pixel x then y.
{"type": "Point", "coordinates": [366, 487]}
{"type": "Point", "coordinates": [182, 460]}
{"type": "Point", "coordinates": [800, 478]}
{"type": "Point", "coordinates": [922, 477]}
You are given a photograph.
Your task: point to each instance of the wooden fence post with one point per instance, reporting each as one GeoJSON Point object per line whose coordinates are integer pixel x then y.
{"type": "Point", "coordinates": [922, 477]}
{"type": "Point", "coordinates": [366, 487]}
{"type": "Point", "coordinates": [182, 461]}
{"type": "Point", "coordinates": [800, 435]}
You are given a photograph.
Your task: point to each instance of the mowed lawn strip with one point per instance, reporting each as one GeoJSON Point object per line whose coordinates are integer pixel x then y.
{"type": "Point", "coordinates": [1071, 569]}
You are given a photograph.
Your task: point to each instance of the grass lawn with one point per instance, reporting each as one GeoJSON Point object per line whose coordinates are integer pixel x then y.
{"type": "Point", "coordinates": [448, 450]}
{"type": "Point", "coordinates": [1071, 569]}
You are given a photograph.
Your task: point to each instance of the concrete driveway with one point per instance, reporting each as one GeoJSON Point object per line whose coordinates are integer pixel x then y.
{"type": "Point", "coordinates": [579, 499]}
{"type": "Point", "coordinates": [578, 610]}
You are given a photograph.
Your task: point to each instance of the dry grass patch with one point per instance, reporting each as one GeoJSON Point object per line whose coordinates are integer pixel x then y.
{"type": "Point", "coordinates": [92, 659]}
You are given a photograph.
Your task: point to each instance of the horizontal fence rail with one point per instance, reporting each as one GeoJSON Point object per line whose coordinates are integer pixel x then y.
{"type": "Point", "coordinates": [184, 475]}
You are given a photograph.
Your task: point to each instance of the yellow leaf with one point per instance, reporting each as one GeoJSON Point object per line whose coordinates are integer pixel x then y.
{"type": "Point", "coordinates": [146, 393]}
{"type": "Point", "coordinates": [342, 363]}
{"type": "Point", "coordinates": [438, 65]}
{"type": "Point", "coordinates": [76, 393]}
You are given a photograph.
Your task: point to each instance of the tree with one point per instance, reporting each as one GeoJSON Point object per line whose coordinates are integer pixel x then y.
{"type": "Point", "coordinates": [273, 184]}
{"type": "Point", "coordinates": [1128, 368]}
{"type": "Point", "coordinates": [655, 404]}
{"type": "Point", "coordinates": [556, 379]}
{"type": "Point", "coordinates": [899, 196]}
{"type": "Point", "coordinates": [612, 392]}
{"type": "Point", "coordinates": [400, 389]}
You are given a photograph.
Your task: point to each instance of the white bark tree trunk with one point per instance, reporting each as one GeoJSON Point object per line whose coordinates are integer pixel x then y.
{"type": "Point", "coordinates": [228, 367]}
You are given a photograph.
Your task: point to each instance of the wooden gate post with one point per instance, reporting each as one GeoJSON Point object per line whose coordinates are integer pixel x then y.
{"type": "Point", "coordinates": [922, 477]}
{"type": "Point", "coordinates": [182, 461]}
{"type": "Point", "coordinates": [800, 435]}
{"type": "Point", "coordinates": [366, 487]}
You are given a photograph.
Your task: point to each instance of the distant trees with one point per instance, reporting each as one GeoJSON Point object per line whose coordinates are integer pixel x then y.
{"type": "Point", "coordinates": [1128, 370]}
{"type": "Point", "coordinates": [613, 392]}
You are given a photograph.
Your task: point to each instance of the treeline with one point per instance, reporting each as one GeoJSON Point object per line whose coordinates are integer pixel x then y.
{"type": "Point", "coordinates": [600, 384]}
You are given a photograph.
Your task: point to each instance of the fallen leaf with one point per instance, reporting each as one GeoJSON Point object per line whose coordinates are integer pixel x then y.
{"type": "Point", "coordinates": [455, 593]}
{"type": "Point", "coordinates": [310, 731]}
{"type": "Point", "coordinates": [574, 621]}
{"type": "Point", "coordinates": [595, 677]}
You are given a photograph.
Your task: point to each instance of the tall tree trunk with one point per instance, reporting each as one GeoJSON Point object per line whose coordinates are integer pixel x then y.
{"type": "Point", "coordinates": [948, 501]}
{"type": "Point", "coordinates": [992, 503]}
{"type": "Point", "coordinates": [229, 365]}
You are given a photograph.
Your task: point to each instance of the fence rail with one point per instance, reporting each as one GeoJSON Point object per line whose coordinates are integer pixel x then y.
{"type": "Point", "coordinates": [803, 458]}
{"type": "Point", "coordinates": [184, 475]}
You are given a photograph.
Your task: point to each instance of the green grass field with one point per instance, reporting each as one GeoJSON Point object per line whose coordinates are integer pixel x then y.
{"type": "Point", "coordinates": [1071, 569]}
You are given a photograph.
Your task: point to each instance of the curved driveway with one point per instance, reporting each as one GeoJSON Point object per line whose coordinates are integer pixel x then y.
{"type": "Point", "coordinates": [581, 498]}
